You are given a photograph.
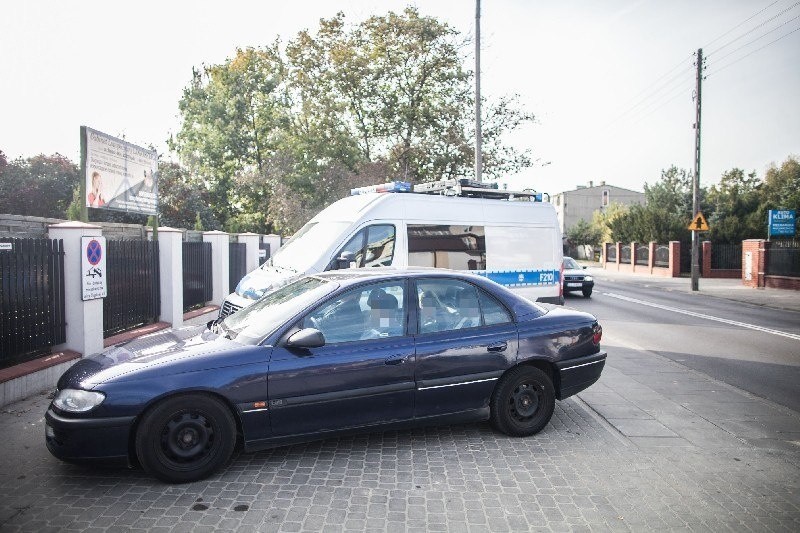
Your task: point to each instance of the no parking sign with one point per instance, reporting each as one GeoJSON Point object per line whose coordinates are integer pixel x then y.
{"type": "Point", "coordinates": [93, 268]}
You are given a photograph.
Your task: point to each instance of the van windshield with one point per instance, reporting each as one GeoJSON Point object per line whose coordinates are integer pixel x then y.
{"type": "Point", "coordinates": [305, 247]}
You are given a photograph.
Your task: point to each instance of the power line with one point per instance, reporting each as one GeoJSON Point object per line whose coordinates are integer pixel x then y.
{"type": "Point", "coordinates": [745, 21]}
{"type": "Point", "coordinates": [753, 52]}
{"type": "Point", "coordinates": [758, 38]}
{"type": "Point", "coordinates": [754, 28]}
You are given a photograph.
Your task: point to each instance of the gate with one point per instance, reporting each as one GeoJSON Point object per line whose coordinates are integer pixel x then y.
{"type": "Point", "coordinates": [31, 298]}
{"type": "Point", "coordinates": [783, 261]}
{"type": "Point", "coordinates": [686, 258]}
{"type": "Point", "coordinates": [197, 282]}
{"type": "Point", "coordinates": [726, 256]}
{"type": "Point", "coordinates": [134, 292]}
{"type": "Point", "coordinates": [237, 256]}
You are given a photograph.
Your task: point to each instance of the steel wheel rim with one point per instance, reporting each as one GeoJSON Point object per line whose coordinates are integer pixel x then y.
{"type": "Point", "coordinates": [524, 402]}
{"type": "Point", "coordinates": [187, 438]}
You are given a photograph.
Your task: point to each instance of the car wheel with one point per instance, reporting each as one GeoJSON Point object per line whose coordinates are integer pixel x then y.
{"type": "Point", "coordinates": [523, 402]}
{"type": "Point", "coordinates": [185, 438]}
{"type": "Point", "coordinates": [587, 293]}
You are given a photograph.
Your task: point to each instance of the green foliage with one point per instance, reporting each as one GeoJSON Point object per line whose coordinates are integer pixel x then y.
{"type": "Point", "coordinates": [198, 223]}
{"type": "Point", "coordinates": [37, 186]}
{"type": "Point", "coordinates": [310, 121]}
{"type": "Point", "coordinates": [735, 204]}
{"type": "Point", "coordinates": [74, 208]}
{"type": "Point", "coordinates": [180, 201]}
{"type": "Point", "coordinates": [584, 233]}
{"type": "Point", "coordinates": [603, 219]}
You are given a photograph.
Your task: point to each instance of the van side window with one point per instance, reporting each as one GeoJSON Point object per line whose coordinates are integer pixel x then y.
{"type": "Point", "coordinates": [371, 246]}
{"type": "Point", "coordinates": [458, 247]}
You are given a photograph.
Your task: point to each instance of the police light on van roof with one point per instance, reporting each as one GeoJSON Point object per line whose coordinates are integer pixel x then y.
{"type": "Point", "coordinates": [392, 186]}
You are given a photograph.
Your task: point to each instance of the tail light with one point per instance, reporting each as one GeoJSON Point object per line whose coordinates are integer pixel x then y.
{"type": "Point", "coordinates": [597, 334]}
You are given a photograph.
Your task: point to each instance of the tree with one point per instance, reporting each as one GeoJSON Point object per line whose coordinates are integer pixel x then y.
{"type": "Point", "coordinates": [37, 186]}
{"type": "Point", "coordinates": [584, 233]}
{"type": "Point", "coordinates": [181, 204]}
{"type": "Point", "coordinates": [733, 207]}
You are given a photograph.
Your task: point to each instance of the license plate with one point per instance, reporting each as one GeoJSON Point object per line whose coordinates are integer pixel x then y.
{"type": "Point", "coordinates": [574, 284]}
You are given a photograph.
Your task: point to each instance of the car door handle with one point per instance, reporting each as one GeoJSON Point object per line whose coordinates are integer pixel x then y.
{"type": "Point", "coordinates": [395, 360]}
{"type": "Point", "coordinates": [497, 347]}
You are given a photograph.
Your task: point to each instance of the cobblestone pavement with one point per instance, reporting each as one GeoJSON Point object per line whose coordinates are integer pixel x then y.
{"type": "Point", "coordinates": [579, 474]}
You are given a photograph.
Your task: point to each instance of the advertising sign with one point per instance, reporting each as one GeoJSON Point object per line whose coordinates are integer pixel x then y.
{"type": "Point", "coordinates": [120, 175]}
{"type": "Point", "coordinates": [781, 222]}
{"type": "Point", "coordinates": [94, 276]}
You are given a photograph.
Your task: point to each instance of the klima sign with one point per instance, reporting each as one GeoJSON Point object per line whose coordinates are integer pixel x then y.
{"type": "Point", "coordinates": [781, 222]}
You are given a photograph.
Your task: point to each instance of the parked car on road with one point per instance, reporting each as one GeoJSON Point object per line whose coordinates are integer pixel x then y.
{"type": "Point", "coordinates": [340, 351]}
{"type": "Point", "coordinates": [575, 279]}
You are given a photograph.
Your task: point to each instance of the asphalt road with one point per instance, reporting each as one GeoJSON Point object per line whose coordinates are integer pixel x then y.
{"type": "Point", "coordinates": [750, 347]}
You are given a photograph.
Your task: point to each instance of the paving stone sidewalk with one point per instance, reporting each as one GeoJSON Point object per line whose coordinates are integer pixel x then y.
{"type": "Point", "coordinates": [582, 473]}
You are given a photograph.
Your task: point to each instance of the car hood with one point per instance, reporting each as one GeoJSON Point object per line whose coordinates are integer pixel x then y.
{"type": "Point", "coordinates": [173, 351]}
{"type": "Point", "coordinates": [575, 272]}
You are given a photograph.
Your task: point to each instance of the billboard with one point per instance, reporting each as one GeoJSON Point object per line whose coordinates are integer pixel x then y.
{"type": "Point", "coordinates": [119, 175]}
{"type": "Point", "coordinates": [780, 222]}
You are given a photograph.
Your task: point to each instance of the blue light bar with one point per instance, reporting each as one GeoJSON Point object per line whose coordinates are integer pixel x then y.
{"type": "Point", "coordinates": [392, 186]}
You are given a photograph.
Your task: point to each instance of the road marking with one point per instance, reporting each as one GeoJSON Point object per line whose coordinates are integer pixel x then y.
{"type": "Point", "coordinates": [707, 317]}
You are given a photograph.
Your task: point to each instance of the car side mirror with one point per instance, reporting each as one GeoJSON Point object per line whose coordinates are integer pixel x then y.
{"type": "Point", "coordinates": [584, 267]}
{"type": "Point", "coordinates": [306, 338]}
{"type": "Point", "coordinates": [345, 260]}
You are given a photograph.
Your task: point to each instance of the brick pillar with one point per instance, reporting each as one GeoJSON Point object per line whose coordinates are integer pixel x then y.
{"type": "Point", "coordinates": [603, 258]}
{"type": "Point", "coordinates": [651, 263]}
{"type": "Point", "coordinates": [675, 259]}
{"type": "Point", "coordinates": [706, 273]}
{"type": "Point", "coordinates": [619, 249]}
{"type": "Point", "coordinates": [633, 255]}
{"type": "Point", "coordinates": [753, 262]}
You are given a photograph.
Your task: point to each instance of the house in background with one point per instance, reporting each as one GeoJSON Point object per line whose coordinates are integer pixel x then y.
{"type": "Point", "coordinates": [581, 203]}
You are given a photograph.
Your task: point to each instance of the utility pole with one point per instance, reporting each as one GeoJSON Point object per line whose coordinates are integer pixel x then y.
{"type": "Point", "coordinates": [696, 178]}
{"type": "Point", "coordinates": [478, 134]}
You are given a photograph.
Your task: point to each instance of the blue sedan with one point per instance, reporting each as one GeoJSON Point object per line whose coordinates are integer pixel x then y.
{"type": "Point", "coordinates": [336, 352]}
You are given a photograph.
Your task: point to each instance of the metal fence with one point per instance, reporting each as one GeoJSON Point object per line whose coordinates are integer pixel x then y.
{"type": "Point", "coordinates": [134, 295]}
{"type": "Point", "coordinates": [611, 252]}
{"type": "Point", "coordinates": [197, 282]}
{"type": "Point", "coordinates": [661, 256]}
{"type": "Point", "coordinates": [237, 265]}
{"type": "Point", "coordinates": [686, 258]}
{"type": "Point", "coordinates": [726, 256]}
{"type": "Point", "coordinates": [31, 298]}
{"type": "Point", "coordinates": [264, 252]}
{"type": "Point", "coordinates": [782, 261]}
{"type": "Point", "coordinates": [625, 254]}
{"type": "Point", "coordinates": [643, 254]}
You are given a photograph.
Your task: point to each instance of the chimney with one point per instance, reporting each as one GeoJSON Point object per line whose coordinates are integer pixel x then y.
{"type": "Point", "coordinates": [603, 183]}
{"type": "Point", "coordinates": [591, 183]}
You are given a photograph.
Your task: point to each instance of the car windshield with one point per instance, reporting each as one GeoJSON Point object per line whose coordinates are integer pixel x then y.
{"type": "Point", "coordinates": [570, 263]}
{"type": "Point", "coordinates": [253, 323]}
{"type": "Point", "coordinates": [303, 249]}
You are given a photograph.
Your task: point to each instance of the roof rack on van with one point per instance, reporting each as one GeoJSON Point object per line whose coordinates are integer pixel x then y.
{"type": "Point", "coordinates": [462, 187]}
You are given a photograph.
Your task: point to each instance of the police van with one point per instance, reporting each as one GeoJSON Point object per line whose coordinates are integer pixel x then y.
{"type": "Point", "coordinates": [512, 238]}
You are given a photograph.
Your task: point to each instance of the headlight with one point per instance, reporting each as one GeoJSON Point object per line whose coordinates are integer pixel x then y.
{"type": "Point", "coordinates": [587, 278]}
{"type": "Point", "coordinates": [78, 401]}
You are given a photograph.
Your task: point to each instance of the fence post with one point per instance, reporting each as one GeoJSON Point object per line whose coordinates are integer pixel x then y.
{"type": "Point", "coordinates": [603, 255]}
{"type": "Point", "coordinates": [651, 261]}
{"type": "Point", "coordinates": [619, 253]}
{"type": "Point", "coordinates": [675, 259]}
{"type": "Point", "coordinates": [170, 260]}
{"type": "Point", "coordinates": [84, 319]}
{"type": "Point", "coordinates": [219, 264]}
{"type": "Point", "coordinates": [251, 242]}
{"type": "Point", "coordinates": [706, 273]}
{"type": "Point", "coordinates": [274, 242]}
{"type": "Point", "coordinates": [634, 245]}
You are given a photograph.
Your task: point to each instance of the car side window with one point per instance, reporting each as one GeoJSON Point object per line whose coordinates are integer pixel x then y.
{"type": "Point", "coordinates": [371, 247]}
{"type": "Point", "coordinates": [373, 312]}
{"type": "Point", "coordinates": [493, 311]}
{"type": "Point", "coordinates": [446, 304]}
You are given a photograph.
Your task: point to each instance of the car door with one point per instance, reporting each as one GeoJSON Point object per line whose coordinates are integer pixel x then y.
{"type": "Point", "coordinates": [465, 340]}
{"type": "Point", "coordinates": [363, 375]}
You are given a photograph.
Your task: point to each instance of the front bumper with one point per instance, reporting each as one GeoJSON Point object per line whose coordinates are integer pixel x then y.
{"type": "Point", "coordinates": [574, 375]}
{"type": "Point", "coordinates": [88, 439]}
{"type": "Point", "coordinates": [578, 285]}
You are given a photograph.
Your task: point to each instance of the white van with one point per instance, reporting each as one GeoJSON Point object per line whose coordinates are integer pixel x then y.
{"type": "Point", "coordinates": [516, 243]}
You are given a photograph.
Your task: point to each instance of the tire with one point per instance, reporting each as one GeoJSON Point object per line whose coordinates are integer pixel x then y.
{"type": "Point", "coordinates": [523, 402]}
{"type": "Point", "coordinates": [587, 293]}
{"type": "Point", "coordinates": [185, 438]}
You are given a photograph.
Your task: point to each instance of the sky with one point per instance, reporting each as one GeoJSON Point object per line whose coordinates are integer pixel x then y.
{"type": "Point", "coordinates": [609, 81]}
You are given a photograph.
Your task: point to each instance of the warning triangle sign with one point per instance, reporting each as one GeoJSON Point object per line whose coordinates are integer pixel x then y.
{"type": "Point", "coordinates": [699, 223]}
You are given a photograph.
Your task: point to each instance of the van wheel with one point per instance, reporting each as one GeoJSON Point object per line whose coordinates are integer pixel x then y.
{"type": "Point", "coordinates": [587, 293]}
{"type": "Point", "coordinates": [185, 438]}
{"type": "Point", "coordinates": [523, 402]}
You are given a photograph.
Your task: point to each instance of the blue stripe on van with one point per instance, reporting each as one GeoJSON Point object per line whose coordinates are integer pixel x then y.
{"type": "Point", "coordinates": [521, 278]}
